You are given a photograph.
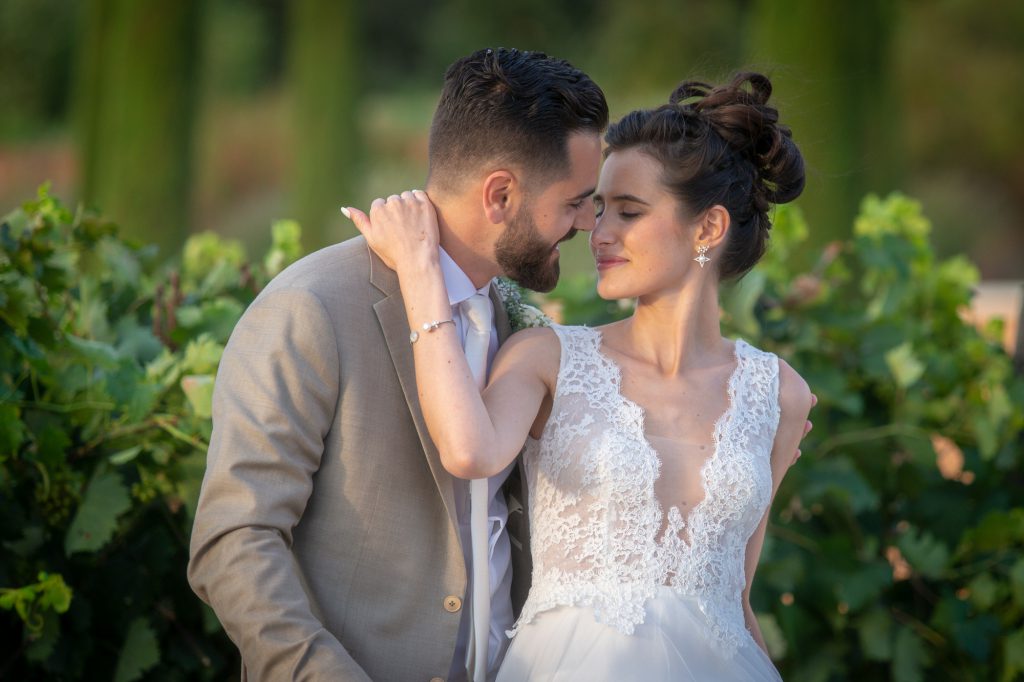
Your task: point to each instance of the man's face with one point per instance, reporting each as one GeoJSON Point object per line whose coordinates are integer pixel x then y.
{"type": "Point", "coordinates": [527, 251]}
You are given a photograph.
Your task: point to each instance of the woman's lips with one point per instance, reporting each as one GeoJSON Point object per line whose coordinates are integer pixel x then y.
{"type": "Point", "coordinates": [605, 262]}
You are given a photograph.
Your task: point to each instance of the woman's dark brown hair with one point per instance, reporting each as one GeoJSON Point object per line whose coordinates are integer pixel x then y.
{"type": "Point", "coordinates": [721, 145]}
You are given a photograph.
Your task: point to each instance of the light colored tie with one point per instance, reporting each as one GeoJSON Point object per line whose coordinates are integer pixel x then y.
{"type": "Point", "coordinates": [477, 309]}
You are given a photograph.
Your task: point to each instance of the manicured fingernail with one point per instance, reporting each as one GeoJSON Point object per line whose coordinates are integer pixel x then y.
{"type": "Point", "coordinates": [345, 212]}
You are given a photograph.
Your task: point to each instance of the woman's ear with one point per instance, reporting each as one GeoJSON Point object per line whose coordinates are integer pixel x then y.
{"type": "Point", "coordinates": [500, 192]}
{"type": "Point", "coordinates": [714, 227]}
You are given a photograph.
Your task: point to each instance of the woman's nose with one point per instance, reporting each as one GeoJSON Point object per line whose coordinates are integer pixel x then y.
{"type": "Point", "coordinates": [600, 237]}
{"type": "Point", "coordinates": [600, 234]}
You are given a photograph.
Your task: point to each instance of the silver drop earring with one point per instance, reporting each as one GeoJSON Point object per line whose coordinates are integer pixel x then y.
{"type": "Point", "coordinates": [702, 255]}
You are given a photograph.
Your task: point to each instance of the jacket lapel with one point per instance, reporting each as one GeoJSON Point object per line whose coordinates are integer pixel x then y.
{"type": "Point", "coordinates": [391, 315]}
{"type": "Point", "coordinates": [501, 321]}
{"type": "Point", "coordinates": [390, 312]}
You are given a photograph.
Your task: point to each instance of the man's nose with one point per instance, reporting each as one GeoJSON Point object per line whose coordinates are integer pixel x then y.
{"type": "Point", "coordinates": [585, 219]}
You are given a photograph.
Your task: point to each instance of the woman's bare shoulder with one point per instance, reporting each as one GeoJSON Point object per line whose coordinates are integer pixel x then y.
{"type": "Point", "coordinates": [794, 393]}
{"type": "Point", "coordinates": [536, 349]}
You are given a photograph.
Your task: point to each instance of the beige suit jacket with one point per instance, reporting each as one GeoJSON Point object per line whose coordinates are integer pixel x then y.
{"type": "Point", "coordinates": [325, 537]}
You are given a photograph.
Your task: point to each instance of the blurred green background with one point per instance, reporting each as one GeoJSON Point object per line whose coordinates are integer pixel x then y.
{"type": "Point", "coordinates": [181, 116]}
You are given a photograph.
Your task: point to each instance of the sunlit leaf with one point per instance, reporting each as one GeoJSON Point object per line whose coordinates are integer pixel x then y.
{"type": "Point", "coordinates": [904, 365]}
{"type": "Point", "coordinates": [202, 356]}
{"type": "Point", "coordinates": [198, 389]}
{"type": "Point", "coordinates": [286, 247]}
{"type": "Point", "coordinates": [125, 456]}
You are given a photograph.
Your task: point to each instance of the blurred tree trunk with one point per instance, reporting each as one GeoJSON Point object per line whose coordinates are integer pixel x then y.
{"type": "Point", "coordinates": [323, 56]}
{"type": "Point", "coordinates": [135, 100]}
{"type": "Point", "coordinates": [830, 63]}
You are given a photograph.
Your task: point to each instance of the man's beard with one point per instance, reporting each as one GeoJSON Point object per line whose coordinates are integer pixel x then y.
{"type": "Point", "coordinates": [524, 256]}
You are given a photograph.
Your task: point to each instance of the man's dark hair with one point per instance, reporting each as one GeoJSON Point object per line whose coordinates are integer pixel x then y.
{"type": "Point", "coordinates": [512, 107]}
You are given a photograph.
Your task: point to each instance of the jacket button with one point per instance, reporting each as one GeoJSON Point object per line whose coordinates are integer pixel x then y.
{"type": "Point", "coordinates": [452, 603]}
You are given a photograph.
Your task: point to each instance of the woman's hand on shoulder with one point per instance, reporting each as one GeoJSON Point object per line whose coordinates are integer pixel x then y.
{"type": "Point", "coordinates": [401, 229]}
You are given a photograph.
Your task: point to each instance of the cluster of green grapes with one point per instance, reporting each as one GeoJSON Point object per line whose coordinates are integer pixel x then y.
{"type": "Point", "coordinates": [58, 494]}
{"type": "Point", "coordinates": [151, 485]}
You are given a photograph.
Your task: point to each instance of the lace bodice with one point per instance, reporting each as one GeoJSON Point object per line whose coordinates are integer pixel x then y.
{"type": "Point", "coordinates": [596, 525]}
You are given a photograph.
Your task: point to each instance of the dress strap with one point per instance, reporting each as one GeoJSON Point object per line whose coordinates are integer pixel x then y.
{"type": "Point", "coordinates": [756, 393]}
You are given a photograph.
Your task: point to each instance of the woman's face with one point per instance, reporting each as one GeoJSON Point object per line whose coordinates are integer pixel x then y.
{"type": "Point", "coordinates": [641, 244]}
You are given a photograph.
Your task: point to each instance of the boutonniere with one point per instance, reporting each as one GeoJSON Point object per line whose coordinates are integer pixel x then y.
{"type": "Point", "coordinates": [520, 314]}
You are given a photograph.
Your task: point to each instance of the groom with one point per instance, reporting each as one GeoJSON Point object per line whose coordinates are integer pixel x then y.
{"type": "Point", "coordinates": [328, 539]}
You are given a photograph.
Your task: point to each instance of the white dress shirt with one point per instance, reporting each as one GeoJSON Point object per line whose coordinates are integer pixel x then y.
{"type": "Point", "coordinates": [460, 288]}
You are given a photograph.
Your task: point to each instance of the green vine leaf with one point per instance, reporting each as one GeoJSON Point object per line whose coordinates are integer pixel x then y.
{"type": "Point", "coordinates": [1013, 656]}
{"type": "Point", "coordinates": [140, 652]}
{"type": "Point", "coordinates": [910, 657]}
{"type": "Point", "coordinates": [198, 389]}
{"type": "Point", "coordinates": [94, 524]}
{"type": "Point", "coordinates": [904, 365]}
{"type": "Point", "coordinates": [12, 430]}
{"type": "Point", "coordinates": [928, 555]}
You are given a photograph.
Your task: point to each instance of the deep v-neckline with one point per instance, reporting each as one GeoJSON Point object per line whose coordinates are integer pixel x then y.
{"type": "Point", "coordinates": [637, 421]}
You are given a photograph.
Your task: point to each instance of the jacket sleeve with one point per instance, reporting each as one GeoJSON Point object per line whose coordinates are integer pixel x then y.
{"type": "Point", "coordinates": [275, 397]}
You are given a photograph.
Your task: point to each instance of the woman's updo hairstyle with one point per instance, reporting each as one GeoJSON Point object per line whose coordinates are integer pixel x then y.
{"type": "Point", "coordinates": [721, 145]}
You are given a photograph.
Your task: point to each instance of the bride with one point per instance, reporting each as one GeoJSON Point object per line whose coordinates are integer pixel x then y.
{"type": "Point", "coordinates": [654, 445]}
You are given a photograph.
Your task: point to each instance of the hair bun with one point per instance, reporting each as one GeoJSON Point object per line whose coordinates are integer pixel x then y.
{"type": "Point", "coordinates": [739, 112]}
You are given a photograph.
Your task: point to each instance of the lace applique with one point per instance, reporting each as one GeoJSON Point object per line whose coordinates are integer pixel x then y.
{"type": "Point", "coordinates": [595, 520]}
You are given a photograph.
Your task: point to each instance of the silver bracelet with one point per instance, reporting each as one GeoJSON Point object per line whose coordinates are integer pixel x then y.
{"type": "Point", "coordinates": [428, 327]}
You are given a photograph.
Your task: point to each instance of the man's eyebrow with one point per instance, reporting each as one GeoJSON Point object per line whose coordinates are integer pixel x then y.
{"type": "Point", "coordinates": [583, 195]}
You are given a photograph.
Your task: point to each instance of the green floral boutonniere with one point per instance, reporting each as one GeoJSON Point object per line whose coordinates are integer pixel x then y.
{"type": "Point", "coordinates": [520, 315]}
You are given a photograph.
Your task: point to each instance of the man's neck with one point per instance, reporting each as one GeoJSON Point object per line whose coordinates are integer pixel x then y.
{"type": "Point", "coordinates": [473, 255]}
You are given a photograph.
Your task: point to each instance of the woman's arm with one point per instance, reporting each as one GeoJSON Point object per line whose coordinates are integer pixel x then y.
{"type": "Point", "coordinates": [795, 401]}
{"type": "Point", "coordinates": [475, 439]}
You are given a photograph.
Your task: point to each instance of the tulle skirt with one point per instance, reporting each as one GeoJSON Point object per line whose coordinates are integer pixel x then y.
{"type": "Point", "coordinates": [671, 644]}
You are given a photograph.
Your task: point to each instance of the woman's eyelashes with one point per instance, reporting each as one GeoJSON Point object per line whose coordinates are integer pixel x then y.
{"type": "Point", "coordinates": [622, 213]}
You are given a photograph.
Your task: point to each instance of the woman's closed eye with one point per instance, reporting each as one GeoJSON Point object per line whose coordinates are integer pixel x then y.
{"type": "Point", "coordinates": [622, 213]}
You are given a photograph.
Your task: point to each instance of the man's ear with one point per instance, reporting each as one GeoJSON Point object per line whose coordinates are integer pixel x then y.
{"type": "Point", "coordinates": [714, 227]}
{"type": "Point", "coordinates": [500, 197]}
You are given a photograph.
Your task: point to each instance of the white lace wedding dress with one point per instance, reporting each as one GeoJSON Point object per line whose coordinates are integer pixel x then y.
{"type": "Point", "coordinates": [620, 591]}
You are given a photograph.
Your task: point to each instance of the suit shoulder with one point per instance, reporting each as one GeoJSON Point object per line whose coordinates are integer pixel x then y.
{"type": "Point", "coordinates": [330, 268]}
